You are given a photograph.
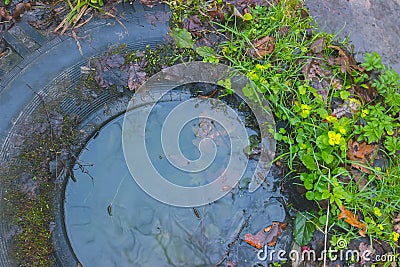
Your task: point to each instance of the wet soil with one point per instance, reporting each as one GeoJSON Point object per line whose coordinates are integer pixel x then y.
{"type": "Point", "coordinates": [373, 25]}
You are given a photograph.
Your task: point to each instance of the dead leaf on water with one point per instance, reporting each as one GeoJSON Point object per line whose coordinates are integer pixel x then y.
{"type": "Point", "coordinates": [268, 235]}
{"type": "Point", "coordinates": [158, 17]}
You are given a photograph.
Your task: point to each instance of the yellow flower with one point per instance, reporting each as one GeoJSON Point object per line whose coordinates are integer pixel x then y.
{"type": "Point", "coordinates": [304, 110]}
{"type": "Point", "coordinates": [330, 118]}
{"type": "Point", "coordinates": [364, 113]}
{"type": "Point", "coordinates": [390, 132]}
{"type": "Point", "coordinates": [334, 138]}
{"type": "Point", "coordinates": [342, 130]}
{"type": "Point", "coordinates": [260, 67]}
{"type": "Point", "coordinates": [380, 226]}
{"type": "Point", "coordinates": [253, 76]}
{"type": "Point", "coordinates": [377, 212]}
{"type": "Point", "coordinates": [395, 236]}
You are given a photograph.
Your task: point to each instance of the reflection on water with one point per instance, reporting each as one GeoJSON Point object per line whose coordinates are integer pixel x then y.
{"type": "Point", "coordinates": [110, 221]}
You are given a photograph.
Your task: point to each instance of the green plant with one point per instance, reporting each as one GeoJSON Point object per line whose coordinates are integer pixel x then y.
{"type": "Point", "coordinates": [315, 143]}
{"type": "Point", "coordinates": [378, 123]}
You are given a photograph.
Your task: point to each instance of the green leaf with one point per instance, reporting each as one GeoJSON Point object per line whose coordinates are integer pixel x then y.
{"type": "Point", "coordinates": [303, 230]}
{"type": "Point", "coordinates": [344, 94]}
{"type": "Point", "coordinates": [322, 112]}
{"type": "Point", "coordinates": [302, 90]}
{"type": "Point", "coordinates": [205, 51]}
{"type": "Point", "coordinates": [248, 91]}
{"type": "Point", "coordinates": [323, 141]}
{"type": "Point", "coordinates": [310, 195]}
{"type": "Point", "coordinates": [309, 162]}
{"type": "Point", "coordinates": [327, 157]}
{"type": "Point", "coordinates": [308, 185]}
{"type": "Point", "coordinates": [182, 38]}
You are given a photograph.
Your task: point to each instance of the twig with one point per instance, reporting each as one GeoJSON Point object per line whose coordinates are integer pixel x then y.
{"type": "Point", "coordinates": [84, 170]}
{"type": "Point", "coordinates": [84, 22]}
{"type": "Point", "coordinates": [326, 230]}
{"type": "Point", "coordinates": [77, 42]}
{"type": "Point", "coordinates": [210, 95]}
{"type": "Point", "coordinates": [115, 17]}
{"type": "Point", "coordinates": [231, 244]}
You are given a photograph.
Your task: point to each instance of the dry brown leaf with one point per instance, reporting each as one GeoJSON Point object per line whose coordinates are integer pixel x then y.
{"type": "Point", "coordinates": [362, 153]}
{"type": "Point", "coordinates": [366, 94]}
{"type": "Point", "coordinates": [358, 177]}
{"type": "Point", "coordinates": [267, 235]}
{"type": "Point", "coordinates": [136, 77]}
{"type": "Point", "coordinates": [216, 13]}
{"type": "Point", "coordinates": [346, 60]}
{"type": "Point", "coordinates": [319, 75]}
{"type": "Point", "coordinates": [318, 45]}
{"type": "Point", "coordinates": [352, 219]}
{"type": "Point", "coordinates": [262, 47]}
{"type": "Point", "coordinates": [20, 9]}
{"type": "Point", "coordinates": [4, 13]}
{"type": "Point", "coordinates": [348, 108]}
{"type": "Point", "coordinates": [194, 25]}
{"type": "Point", "coordinates": [396, 227]}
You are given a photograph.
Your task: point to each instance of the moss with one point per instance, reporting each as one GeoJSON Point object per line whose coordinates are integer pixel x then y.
{"type": "Point", "coordinates": [34, 244]}
{"type": "Point", "coordinates": [164, 55]}
{"type": "Point", "coordinates": [30, 185]}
